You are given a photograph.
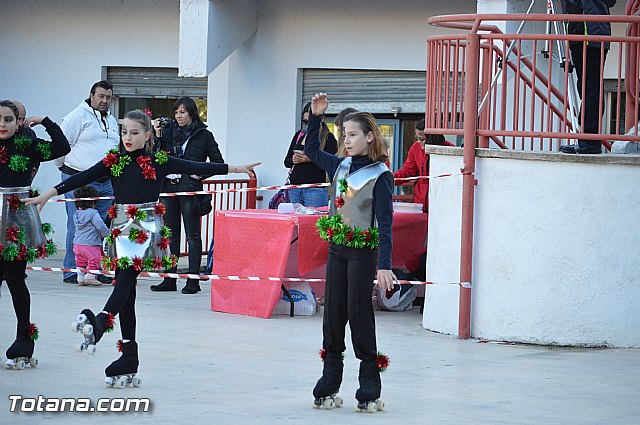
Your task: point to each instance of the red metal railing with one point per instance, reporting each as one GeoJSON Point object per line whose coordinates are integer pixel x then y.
{"type": "Point", "coordinates": [222, 201]}
{"type": "Point", "coordinates": [533, 107]}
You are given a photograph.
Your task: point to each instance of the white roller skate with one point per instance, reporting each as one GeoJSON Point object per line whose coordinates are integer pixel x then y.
{"type": "Point", "coordinates": [121, 381]}
{"type": "Point", "coordinates": [328, 402]}
{"type": "Point", "coordinates": [20, 363]}
{"type": "Point", "coordinates": [370, 406]}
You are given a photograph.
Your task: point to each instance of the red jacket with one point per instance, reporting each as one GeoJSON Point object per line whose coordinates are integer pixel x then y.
{"type": "Point", "coordinates": [417, 164]}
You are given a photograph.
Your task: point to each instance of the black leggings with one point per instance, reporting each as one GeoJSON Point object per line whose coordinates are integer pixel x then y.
{"type": "Point", "coordinates": [349, 284]}
{"type": "Point", "coordinates": [13, 273]}
{"type": "Point", "coordinates": [123, 301]}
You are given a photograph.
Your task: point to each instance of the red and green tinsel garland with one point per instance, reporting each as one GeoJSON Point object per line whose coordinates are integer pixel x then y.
{"type": "Point", "coordinates": [15, 203]}
{"type": "Point", "coordinates": [138, 236]}
{"type": "Point", "coordinates": [119, 345]}
{"type": "Point", "coordinates": [33, 332]}
{"type": "Point", "coordinates": [160, 209]}
{"type": "Point", "coordinates": [111, 323]}
{"type": "Point", "coordinates": [135, 213]}
{"type": "Point", "coordinates": [382, 361]}
{"type": "Point", "coordinates": [113, 235]}
{"type": "Point", "coordinates": [140, 264]}
{"type": "Point", "coordinates": [116, 162]}
{"type": "Point", "coordinates": [112, 211]}
{"type": "Point", "coordinates": [148, 172]}
{"type": "Point", "coordinates": [323, 354]}
{"type": "Point", "coordinates": [332, 229]}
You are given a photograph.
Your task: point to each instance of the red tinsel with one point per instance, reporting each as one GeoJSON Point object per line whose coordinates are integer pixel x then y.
{"type": "Point", "coordinates": [157, 263]}
{"type": "Point", "coordinates": [367, 236]}
{"type": "Point", "coordinates": [22, 253]}
{"type": "Point", "coordinates": [111, 321]}
{"type": "Point", "coordinates": [110, 159]}
{"type": "Point", "coordinates": [143, 161]}
{"type": "Point", "coordinates": [42, 251]}
{"type": "Point", "coordinates": [160, 209]}
{"type": "Point", "coordinates": [323, 354]}
{"type": "Point", "coordinates": [163, 243]}
{"type": "Point", "coordinates": [119, 345]}
{"type": "Point", "coordinates": [4, 155]}
{"type": "Point", "coordinates": [113, 263]}
{"type": "Point", "coordinates": [112, 211]}
{"type": "Point", "coordinates": [12, 233]}
{"type": "Point", "coordinates": [339, 202]}
{"type": "Point", "coordinates": [148, 112]}
{"type": "Point", "coordinates": [142, 237]}
{"type": "Point", "coordinates": [349, 236]}
{"type": "Point", "coordinates": [137, 263]}
{"type": "Point", "coordinates": [149, 173]}
{"type": "Point", "coordinates": [14, 203]}
{"type": "Point", "coordinates": [382, 361]}
{"type": "Point", "coordinates": [115, 232]}
{"type": "Point", "coordinates": [33, 331]}
{"type": "Point", "coordinates": [132, 211]}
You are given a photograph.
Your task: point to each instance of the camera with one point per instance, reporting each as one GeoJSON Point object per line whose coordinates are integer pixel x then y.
{"type": "Point", "coordinates": [165, 122]}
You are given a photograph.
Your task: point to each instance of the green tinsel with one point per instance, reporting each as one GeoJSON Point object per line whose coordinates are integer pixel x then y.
{"type": "Point", "coordinates": [332, 229]}
{"type": "Point", "coordinates": [165, 232]}
{"type": "Point", "coordinates": [161, 157]}
{"type": "Point", "coordinates": [116, 169]}
{"type": "Point", "coordinates": [22, 142]}
{"type": "Point", "coordinates": [44, 149]}
{"type": "Point", "coordinates": [147, 263]}
{"type": "Point", "coordinates": [32, 254]}
{"type": "Point", "coordinates": [141, 215]}
{"type": "Point", "coordinates": [124, 262]}
{"type": "Point", "coordinates": [167, 261]}
{"type": "Point", "coordinates": [10, 252]}
{"type": "Point", "coordinates": [47, 228]}
{"type": "Point", "coordinates": [18, 163]}
{"type": "Point", "coordinates": [105, 262]}
{"type": "Point", "coordinates": [33, 193]}
{"type": "Point", "coordinates": [51, 248]}
{"type": "Point", "coordinates": [343, 185]}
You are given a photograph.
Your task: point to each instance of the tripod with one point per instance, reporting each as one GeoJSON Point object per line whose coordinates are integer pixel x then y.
{"type": "Point", "coordinates": [560, 55]}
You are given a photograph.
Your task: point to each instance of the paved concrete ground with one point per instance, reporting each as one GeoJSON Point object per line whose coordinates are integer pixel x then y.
{"type": "Point", "coordinates": [200, 366]}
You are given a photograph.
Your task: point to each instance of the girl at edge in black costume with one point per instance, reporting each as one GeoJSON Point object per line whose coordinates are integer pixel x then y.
{"type": "Point", "coordinates": [138, 240]}
{"type": "Point", "coordinates": [22, 237]}
{"type": "Point", "coordinates": [359, 231]}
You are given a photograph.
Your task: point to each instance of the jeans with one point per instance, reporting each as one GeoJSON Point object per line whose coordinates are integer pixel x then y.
{"type": "Point", "coordinates": [309, 196]}
{"type": "Point", "coordinates": [104, 189]}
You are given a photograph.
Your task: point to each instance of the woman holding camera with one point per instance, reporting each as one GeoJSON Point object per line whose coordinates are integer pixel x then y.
{"type": "Point", "coordinates": [186, 138]}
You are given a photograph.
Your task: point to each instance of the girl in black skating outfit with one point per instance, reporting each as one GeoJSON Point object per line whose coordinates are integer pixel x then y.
{"type": "Point", "coordinates": [22, 235]}
{"type": "Point", "coordinates": [359, 231]}
{"type": "Point", "coordinates": [138, 240]}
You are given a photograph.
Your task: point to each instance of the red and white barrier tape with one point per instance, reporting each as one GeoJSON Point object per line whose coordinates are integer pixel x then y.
{"type": "Point", "coordinates": [220, 277]}
{"type": "Point", "coordinates": [252, 189]}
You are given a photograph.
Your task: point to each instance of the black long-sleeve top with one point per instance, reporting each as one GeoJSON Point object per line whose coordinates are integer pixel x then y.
{"type": "Point", "coordinates": [131, 187]}
{"type": "Point", "coordinates": [307, 172]}
{"type": "Point", "coordinates": [37, 151]}
{"type": "Point", "coordinates": [382, 191]}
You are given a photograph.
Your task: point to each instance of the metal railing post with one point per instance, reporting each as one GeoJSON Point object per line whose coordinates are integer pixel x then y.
{"type": "Point", "coordinates": [468, 181]}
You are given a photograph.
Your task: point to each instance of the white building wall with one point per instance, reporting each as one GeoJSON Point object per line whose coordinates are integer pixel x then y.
{"type": "Point", "coordinates": [259, 118]}
{"type": "Point", "coordinates": [555, 252]}
{"type": "Point", "coordinates": [53, 51]}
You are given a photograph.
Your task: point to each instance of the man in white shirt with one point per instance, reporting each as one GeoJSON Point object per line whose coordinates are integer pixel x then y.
{"type": "Point", "coordinates": [91, 131]}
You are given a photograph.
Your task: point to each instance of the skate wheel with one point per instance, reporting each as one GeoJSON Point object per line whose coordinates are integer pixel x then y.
{"type": "Point", "coordinates": [81, 318]}
{"type": "Point", "coordinates": [108, 381]}
{"type": "Point", "coordinates": [121, 382]}
{"type": "Point", "coordinates": [327, 403]}
{"type": "Point", "coordinates": [380, 405]}
{"type": "Point", "coordinates": [9, 364]}
{"type": "Point", "coordinates": [87, 330]}
{"type": "Point", "coordinates": [33, 362]}
{"type": "Point", "coordinates": [74, 326]}
{"type": "Point", "coordinates": [79, 346]}
{"type": "Point", "coordinates": [316, 404]}
{"type": "Point", "coordinates": [91, 349]}
{"type": "Point", "coordinates": [371, 407]}
{"type": "Point", "coordinates": [136, 382]}
{"type": "Point", "coordinates": [20, 364]}
{"type": "Point", "coordinates": [338, 401]}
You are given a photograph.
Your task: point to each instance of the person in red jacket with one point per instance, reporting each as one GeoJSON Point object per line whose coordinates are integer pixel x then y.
{"type": "Point", "coordinates": [417, 164]}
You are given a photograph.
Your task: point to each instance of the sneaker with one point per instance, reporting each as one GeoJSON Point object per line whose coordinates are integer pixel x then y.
{"type": "Point", "coordinates": [104, 279]}
{"type": "Point", "coordinates": [73, 279]}
{"type": "Point", "coordinates": [90, 280]}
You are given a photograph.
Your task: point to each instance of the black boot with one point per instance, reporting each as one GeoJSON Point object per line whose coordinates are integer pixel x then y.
{"type": "Point", "coordinates": [167, 284]}
{"type": "Point", "coordinates": [370, 385]}
{"type": "Point", "coordinates": [24, 344]}
{"type": "Point", "coordinates": [191, 287]}
{"type": "Point", "coordinates": [331, 378]}
{"type": "Point", "coordinates": [128, 362]}
{"type": "Point", "coordinates": [101, 323]}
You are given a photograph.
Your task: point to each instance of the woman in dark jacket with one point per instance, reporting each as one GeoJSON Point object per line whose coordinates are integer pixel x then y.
{"type": "Point", "coordinates": [186, 138]}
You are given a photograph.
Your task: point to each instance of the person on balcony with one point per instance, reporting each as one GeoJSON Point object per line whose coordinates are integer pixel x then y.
{"type": "Point", "coordinates": [592, 67]}
{"type": "Point", "coordinates": [187, 138]}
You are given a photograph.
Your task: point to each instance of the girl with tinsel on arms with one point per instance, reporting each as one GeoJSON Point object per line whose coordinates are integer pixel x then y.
{"type": "Point", "coordinates": [22, 235]}
{"type": "Point", "coordinates": [138, 240]}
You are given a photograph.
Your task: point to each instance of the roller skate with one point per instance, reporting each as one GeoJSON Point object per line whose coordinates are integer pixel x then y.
{"type": "Point", "coordinates": [20, 354]}
{"type": "Point", "coordinates": [325, 392]}
{"type": "Point", "coordinates": [122, 372]}
{"type": "Point", "coordinates": [368, 395]}
{"type": "Point", "coordinates": [92, 328]}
